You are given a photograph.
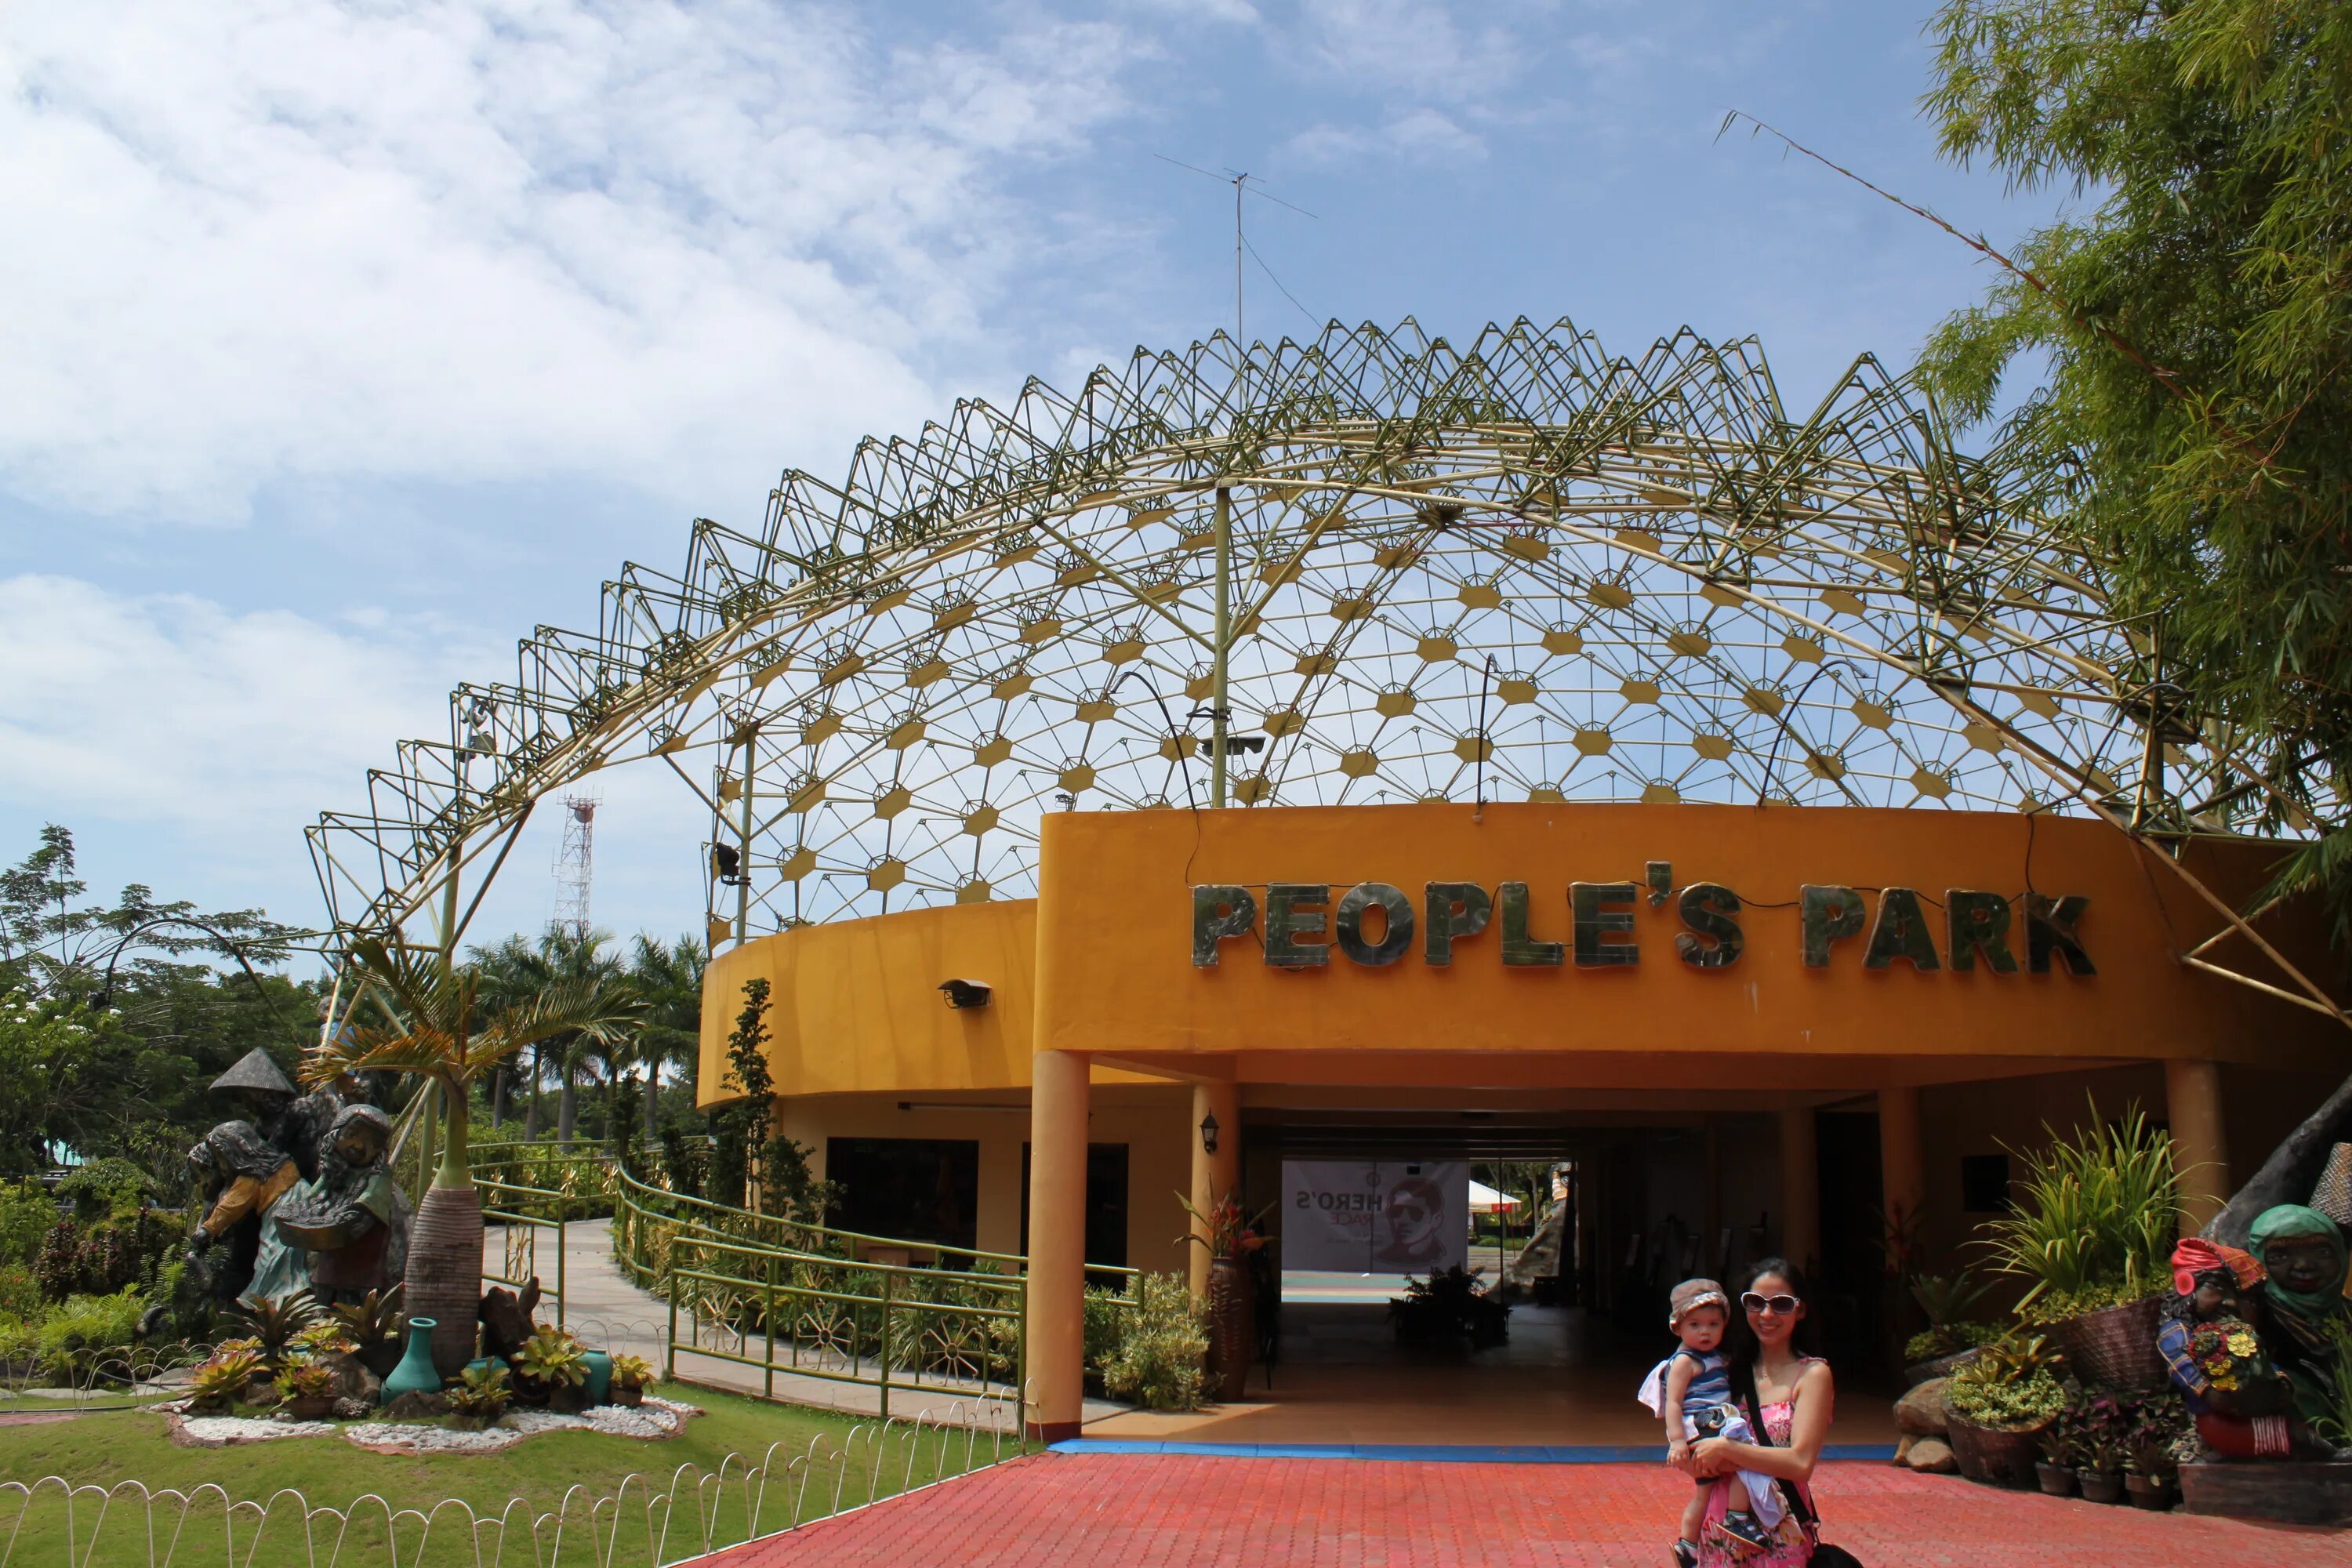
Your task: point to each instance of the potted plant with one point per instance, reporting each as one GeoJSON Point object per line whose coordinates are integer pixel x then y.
{"type": "Point", "coordinates": [373, 1324]}
{"type": "Point", "coordinates": [1950, 1336]}
{"type": "Point", "coordinates": [275, 1324]}
{"type": "Point", "coordinates": [630, 1373]}
{"type": "Point", "coordinates": [2101, 1473]}
{"type": "Point", "coordinates": [430, 1023]}
{"type": "Point", "coordinates": [551, 1368]}
{"type": "Point", "coordinates": [306, 1390]}
{"type": "Point", "coordinates": [216, 1386]}
{"type": "Point", "coordinates": [478, 1397]}
{"type": "Point", "coordinates": [1230, 1235]}
{"type": "Point", "coordinates": [1449, 1305]}
{"type": "Point", "coordinates": [2151, 1471]}
{"type": "Point", "coordinates": [2093, 1231]}
{"type": "Point", "coordinates": [1998, 1406]}
{"type": "Point", "coordinates": [2060, 1453]}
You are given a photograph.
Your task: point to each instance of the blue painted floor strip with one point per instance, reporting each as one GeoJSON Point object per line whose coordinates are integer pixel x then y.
{"type": "Point", "coordinates": [1433, 1454]}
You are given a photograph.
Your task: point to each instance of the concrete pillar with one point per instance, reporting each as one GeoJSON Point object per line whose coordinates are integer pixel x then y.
{"type": "Point", "coordinates": [1801, 1188]}
{"type": "Point", "coordinates": [1057, 1244]}
{"type": "Point", "coordinates": [2201, 1154]}
{"type": "Point", "coordinates": [1903, 1172]}
{"type": "Point", "coordinates": [1214, 1175]}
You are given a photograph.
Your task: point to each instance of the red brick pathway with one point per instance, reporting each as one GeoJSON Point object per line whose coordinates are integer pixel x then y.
{"type": "Point", "coordinates": [1097, 1511]}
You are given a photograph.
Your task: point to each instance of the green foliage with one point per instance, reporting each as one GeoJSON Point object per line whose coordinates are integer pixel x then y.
{"type": "Point", "coordinates": [1162, 1359]}
{"type": "Point", "coordinates": [373, 1318]}
{"type": "Point", "coordinates": [275, 1324]}
{"type": "Point", "coordinates": [552, 1357]}
{"type": "Point", "coordinates": [2094, 1220]}
{"type": "Point", "coordinates": [85, 1332]}
{"type": "Point", "coordinates": [2196, 327]}
{"type": "Point", "coordinates": [1945, 1339]}
{"type": "Point", "coordinates": [221, 1380]}
{"type": "Point", "coordinates": [631, 1371]}
{"type": "Point", "coordinates": [481, 1393]}
{"type": "Point", "coordinates": [1947, 1300]}
{"type": "Point", "coordinates": [20, 1293]}
{"type": "Point", "coordinates": [1449, 1305]}
{"type": "Point", "coordinates": [303, 1380]}
{"type": "Point", "coordinates": [2335, 1426]}
{"type": "Point", "coordinates": [2012, 1385]}
{"type": "Point", "coordinates": [108, 1188]}
{"type": "Point", "coordinates": [26, 1215]}
{"type": "Point", "coordinates": [741, 1129]}
{"type": "Point", "coordinates": [1104, 1324]}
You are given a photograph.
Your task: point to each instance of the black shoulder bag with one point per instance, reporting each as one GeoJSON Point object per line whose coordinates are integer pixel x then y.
{"type": "Point", "coordinates": [1825, 1555]}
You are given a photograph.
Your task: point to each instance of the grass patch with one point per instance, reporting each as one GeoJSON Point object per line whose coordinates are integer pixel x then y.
{"type": "Point", "coordinates": [546, 1487]}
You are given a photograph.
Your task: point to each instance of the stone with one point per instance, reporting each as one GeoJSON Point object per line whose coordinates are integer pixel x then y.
{"type": "Point", "coordinates": [417, 1407]}
{"type": "Point", "coordinates": [1903, 1447]}
{"type": "Point", "coordinates": [506, 1319]}
{"type": "Point", "coordinates": [353, 1380]}
{"type": "Point", "coordinates": [1932, 1456]}
{"type": "Point", "coordinates": [1921, 1411]}
{"type": "Point", "coordinates": [355, 1409]}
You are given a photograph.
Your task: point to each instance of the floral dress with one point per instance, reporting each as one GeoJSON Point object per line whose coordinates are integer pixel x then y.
{"type": "Point", "coordinates": [1793, 1542]}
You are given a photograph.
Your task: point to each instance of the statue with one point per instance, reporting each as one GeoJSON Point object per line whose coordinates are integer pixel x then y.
{"type": "Point", "coordinates": [351, 1218]}
{"type": "Point", "coordinates": [244, 1178]}
{"type": "Point", "coordinates": [285, 1118]}
{"type": "Point", "coordinates": [2243, 1406]}
{"type": "Point", "coordinates": [2303, 1253]}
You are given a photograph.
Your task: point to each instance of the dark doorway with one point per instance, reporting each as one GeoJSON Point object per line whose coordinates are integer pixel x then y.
{"type": "Point", "coordinates": [1105, 1208]}
{"type": "Point", "coordinates": [1852, 1289]}
{"type": "Point", "coordinates": [910, 1189]}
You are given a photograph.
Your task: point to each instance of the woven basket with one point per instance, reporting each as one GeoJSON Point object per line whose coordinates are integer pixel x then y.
{"type": "Point", "coordinates": [2333, 1195]}
{"type": "Point", "coordinates": [2116, 1348]}
{"type": "Point", "coordinates": [1993, 1456]}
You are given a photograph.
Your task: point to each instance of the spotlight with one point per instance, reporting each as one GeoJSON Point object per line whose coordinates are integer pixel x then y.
{"type": "Point", "coordinates": [728, 862]}
{"type": "Point", "coordinates": [963, 994]}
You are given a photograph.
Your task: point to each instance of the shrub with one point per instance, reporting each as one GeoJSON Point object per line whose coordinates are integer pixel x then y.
{"type": "Point", "coordinates": [20, 1293]}
{"type": "Point", "coordinates": [304, 1380]}
{"type": "Point", "coordinates": [220, 1381]}
{"type": "Point", "coordinates": [1947, 1338]}
{"type": "Point", "coordinates": [86, 1332]}
{"type": "Point", "coordinates": [552, 1357]}
{"type": "Point", "coordinates": [2093, 1225]}
{"type": "Point", "coordinates": [481, 1393]}
{"type": "Point", "coordinates": [28, 1215]}
{"type": "Point", "coordinates": [1162, 1359]}
{"type": "Point", "coordinates": [107, 1189]}
{"type": "Point", "coordinates": [2012, 1385]}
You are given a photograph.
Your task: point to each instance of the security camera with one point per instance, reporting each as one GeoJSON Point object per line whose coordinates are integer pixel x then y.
{"type": "Point", "coordinates": [963, 994]}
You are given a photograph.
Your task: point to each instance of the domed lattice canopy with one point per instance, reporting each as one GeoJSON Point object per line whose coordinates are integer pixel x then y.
{"type": "Point", "coordinates": [1519, 571]}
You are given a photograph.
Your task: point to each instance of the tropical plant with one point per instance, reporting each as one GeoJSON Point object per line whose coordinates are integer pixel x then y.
{"type": "Point", "coordinates": [373, 1318]}
{"type": "Point", "coordinates": [2334, 1424]}
{"type": "Point", "coordinates": [1450, 1304]}
{"type": "Point", "coordinates": [428, 1021]}
{"type": "Point", "coordinates": [1225, 1229]}
{"type": "Point", "coordinates": [1947, 1299]}
{"type": "Point", "coordinates": [2094, 1221]}
{"type": "Point", "coordinates": [1950, 1339]}
{"type": "Point", "coordinates": [551, 1357]}
{"type": "Point", "coordinates": [668, 980]}
{"type": "Point", "coordinates": [275, 1323]}
{"type": "Point", "coordinates": [480, 1395]}
{"type": "Point", "coordinates": [303, 1380]}
{"type": "Point", "coordinates": [2012, 1385]}
{"type": "Point", "coordinates": [1162, 1357]}
{"type": "Point", "coordinates": [219, 1382]}
{"type": "Point", "coordinates": [631, 1371]}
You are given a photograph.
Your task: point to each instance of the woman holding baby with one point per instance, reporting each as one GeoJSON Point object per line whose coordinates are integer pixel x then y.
{"type": "Point", "coordinates": [1793, 1396]}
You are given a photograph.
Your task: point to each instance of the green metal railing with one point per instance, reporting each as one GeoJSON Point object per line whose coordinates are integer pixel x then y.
{"type": "Point", "coordinates": [772, 1294]}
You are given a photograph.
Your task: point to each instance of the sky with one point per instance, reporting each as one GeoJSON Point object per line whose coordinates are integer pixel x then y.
{"type": "Point", "coordinates": [346, 343]}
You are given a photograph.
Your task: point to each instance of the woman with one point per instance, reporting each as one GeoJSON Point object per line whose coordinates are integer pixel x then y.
{"type": "Point", "coordinates": [1795, 1398]}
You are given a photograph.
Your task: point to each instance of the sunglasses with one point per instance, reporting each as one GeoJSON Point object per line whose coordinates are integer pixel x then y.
{"type": "Point", "coordinates": [1781, 1306]}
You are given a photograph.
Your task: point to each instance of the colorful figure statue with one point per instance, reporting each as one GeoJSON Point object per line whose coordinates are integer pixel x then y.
{"type": "Point", "coordinates": [2304, 1255]}
{"type": "Point", "coordinates": [2245, 1408]}
{"type": "Point", "coordinates": [286, 1118]}
{"type": "Point", "coordinates": [244, 1178]}
{"type": "Point", "coordinates": [352, 1218]}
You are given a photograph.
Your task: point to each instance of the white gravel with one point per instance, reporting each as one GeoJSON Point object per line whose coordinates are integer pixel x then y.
{"type": "Point", "coordinates": [655, 1418]}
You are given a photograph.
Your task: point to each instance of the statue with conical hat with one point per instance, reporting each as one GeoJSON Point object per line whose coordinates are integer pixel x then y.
{"type": "Point", "coordinates": [351, 1218]}
{"type": "Point", "coordinates": [284, 1116]}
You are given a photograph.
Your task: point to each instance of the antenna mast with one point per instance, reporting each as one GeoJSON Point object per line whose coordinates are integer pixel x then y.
{"type": "Point", "coordinates": [575, 865]}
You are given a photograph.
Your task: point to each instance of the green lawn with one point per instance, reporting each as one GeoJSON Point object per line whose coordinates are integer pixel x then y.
{"type": "Point", "coordinates": [528, 1483]}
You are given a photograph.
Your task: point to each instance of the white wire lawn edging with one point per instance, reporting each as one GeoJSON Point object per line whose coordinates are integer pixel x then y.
{"type": "Point", "coordinates": [120, 1381]}
{"type": "Point", "coordinates": [205, 1528]}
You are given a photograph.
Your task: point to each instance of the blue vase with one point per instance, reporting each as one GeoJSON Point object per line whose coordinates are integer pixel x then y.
{"type": "Point", "coordinates": [600, 1377]}
{"type": "Point", "coordinates": [415, 1373]}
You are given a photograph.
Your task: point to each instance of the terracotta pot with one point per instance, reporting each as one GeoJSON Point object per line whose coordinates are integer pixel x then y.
{"type": "Point", "coordinates": [626, 1395]}
{"type": "Point", "coordinates": [1994, 1457]}
{"type": "Point", "coordinates": [1232, 1337]}
{"type": "Point", "coordinates": [2151, 1492]}
{"type": "Point", "coordinates": [2115, 1348]}
{"type": "Point", "coordinates": [2101, 1486]}
{"type": "Point", "coordinates": [443, 1281]}
{"type": "Point", "coordinates": [2057, 1481]}
{"type": "Point", "coordinates": [309, 1408]}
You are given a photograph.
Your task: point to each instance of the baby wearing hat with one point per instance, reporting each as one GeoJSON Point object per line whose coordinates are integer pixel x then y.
{"type": "Point", "coordinates": [1691, 1389]}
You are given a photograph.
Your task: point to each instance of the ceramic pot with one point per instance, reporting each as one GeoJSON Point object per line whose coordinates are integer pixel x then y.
{"type": "Point", "coordinates": [416, 1372]}
{"type": "Point", "coordinates": [628, 1396]}
{"type": "Point", "coordinates": [2101, 1486]}
{"type": "Point", "coordinates": [2057, 1481]}
{"type": "Point", "coordinates": [2151, 1492]}
{"type": "Point", "coordinates": [568, 1398]}
{"type": "Point", "coordinates": [600, 1377]}
{"type": "Point", "coordinates": [444, 1281]}
{"type": "Point", "coordinates": [1989, 1455]}
{"type": "Point", "coordinates": [310, 1407]}
{"type": "Point", "coordinates": [1232, 1337]}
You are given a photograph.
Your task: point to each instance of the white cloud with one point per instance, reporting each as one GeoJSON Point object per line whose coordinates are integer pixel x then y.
{"type": "Point", "coordinates": [1422, 48]}
{"type": "Point", "coordinates": [1419, 136]}
{"type": "Point", "coordinates": [489, 240]}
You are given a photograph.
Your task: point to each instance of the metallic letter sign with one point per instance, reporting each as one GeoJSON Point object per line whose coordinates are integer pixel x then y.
{"type": "Point", "coordinates": [1455, 908]}
{"type": "Point", "coordinates": [1521, 951]}
{"type": "Point", "coordinates": [1978, 923]}
{"type": "Point", "coordinates": [1219, 909]}
{"type": "Point", "coordinates": [1595, 924]}
{"type": "Point", "coordinates": [1348, 924]}
{"type": "Point", "coordinates": [1825, 915]}
{"type": "Point", "coordinates": [1711, 910]}
{"type": "Point", "coordinates": [1294, 909]}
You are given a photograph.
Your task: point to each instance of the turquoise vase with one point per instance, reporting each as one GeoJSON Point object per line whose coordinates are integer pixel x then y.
{"type": "Point", "coordinates": [600, 1377]}
{"type": "Point", "coordinates": [415, 1373]}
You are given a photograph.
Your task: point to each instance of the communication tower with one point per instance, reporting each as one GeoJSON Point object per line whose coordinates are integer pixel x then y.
{"type": "Point", "coordinates": [575, 865]}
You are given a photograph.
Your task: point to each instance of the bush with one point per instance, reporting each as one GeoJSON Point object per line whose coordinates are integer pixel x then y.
{"type": "Point", "coordinates": [1162, 1361]}
{"type": "Point", "coordinates": [2093, 1225]}
{"type": "Point", "coordinates": [1947, 1338]}
{"type": "Point", "coordinates": [2012, 1385]}
{"type": "Point", "coordinates": [28, 1215]}
{"type": "Point", "coordinates": [107, 1189]}
{"type": "Point", "coordinates": [88, 1330]}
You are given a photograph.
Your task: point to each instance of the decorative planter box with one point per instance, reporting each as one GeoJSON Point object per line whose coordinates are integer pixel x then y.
{"type": "Point", "coordinates": [2281, 1491]}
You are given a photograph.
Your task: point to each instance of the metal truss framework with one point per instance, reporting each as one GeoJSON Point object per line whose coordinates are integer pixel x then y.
{"type": "Point", "coordinates": [1518, 570]}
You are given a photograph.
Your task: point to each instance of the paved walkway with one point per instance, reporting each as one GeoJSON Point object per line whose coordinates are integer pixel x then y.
{"type": "Point", "coordinates": [1084, 1510]}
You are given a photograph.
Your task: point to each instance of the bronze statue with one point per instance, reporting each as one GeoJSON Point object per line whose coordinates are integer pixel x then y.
{"type": "Point", "coordinates": [352, 1220]}
{"type": "Point", "coordinates": [285, 1118]}
{"type": "Point", "coordinates": [244, 1179]}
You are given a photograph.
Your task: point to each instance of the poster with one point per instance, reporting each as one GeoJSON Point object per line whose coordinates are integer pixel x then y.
{"type": "Point", "coordinates": [1375, 1216]}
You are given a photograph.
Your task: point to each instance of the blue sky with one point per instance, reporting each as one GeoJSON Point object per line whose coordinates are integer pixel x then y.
{"type": "Point", "coordinates": [347, 343]}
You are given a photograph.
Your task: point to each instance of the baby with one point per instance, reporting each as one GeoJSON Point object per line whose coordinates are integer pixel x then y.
{"type": "Point", "coordinates": [1691, 1390]}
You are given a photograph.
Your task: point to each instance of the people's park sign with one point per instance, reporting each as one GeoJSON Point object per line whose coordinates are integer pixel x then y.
{"type": "Point", "coordinates": [1308, 925]}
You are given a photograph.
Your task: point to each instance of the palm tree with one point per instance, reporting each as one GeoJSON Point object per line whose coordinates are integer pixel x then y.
{"type": "Point", "coordinates": [668, 980]}
{"type": "Point", "coordinates": [431, 1022]}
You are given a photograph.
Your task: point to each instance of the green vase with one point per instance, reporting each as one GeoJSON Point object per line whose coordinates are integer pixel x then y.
{"type": "Point", "coordinates": [600, 1377]}
{"type": "Point", "coordinates": [415, 1373]}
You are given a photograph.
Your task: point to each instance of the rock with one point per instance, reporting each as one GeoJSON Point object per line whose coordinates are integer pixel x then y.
{"type": "Point", "coordinates": [1932, 1456]}
{"type": "Point", "coordinates": [355, 1409]}
{"type": "Point", "coordinates": [505, 1319]}
{"type": "Point", "coordinates": [352, 1379]}
{"type": "Point", "coordinates": [417, 1407]}
{"type": "Point", "coordinates": [1903, 1447]}
{"type": "Point", "coordinates": [1921, 1411]}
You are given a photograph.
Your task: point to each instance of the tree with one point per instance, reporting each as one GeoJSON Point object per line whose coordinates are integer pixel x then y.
{"type": "Point", "coordinates": [668, 980]}
{"type": "Point", "coordinates": [427, 1018]}
{"type": "Point", "coordinates": [2194, 327]}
